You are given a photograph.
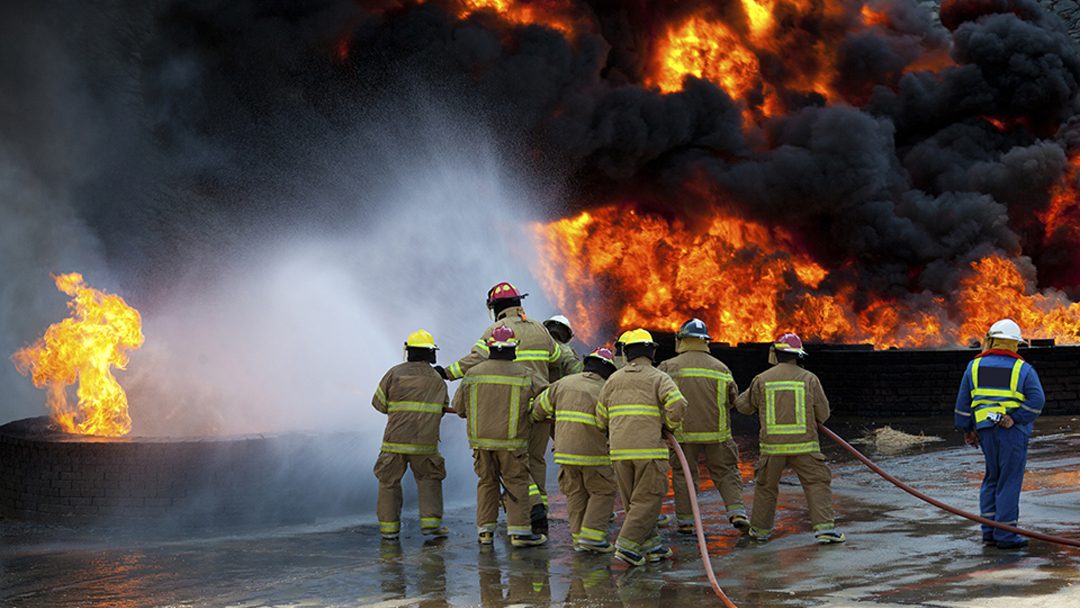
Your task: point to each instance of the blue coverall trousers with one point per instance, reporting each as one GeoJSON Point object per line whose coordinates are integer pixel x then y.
{"type": "Point", "coordinates": [999, 499]}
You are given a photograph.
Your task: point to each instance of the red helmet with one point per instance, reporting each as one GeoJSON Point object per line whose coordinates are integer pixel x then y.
{"type": "Point", "coordinates": [502, 337]}
{"type": "Point", "coordinates": [604, 354]}
{"type": "Point", "coordinates": [503, 291]}
{"type": "Point", "coordinates": [789, 342]}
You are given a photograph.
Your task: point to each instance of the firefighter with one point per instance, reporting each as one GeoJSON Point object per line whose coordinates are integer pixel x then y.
{"type": "Point", "coordinates": [791, 403]}
{"type": "Point", "coordinates": [1000, 397]}
{"type": "Point", "coordinates": [581, 451]}
{"type": "Point", "coordinates": [538, 351]}
{"type": "Point", "coordinates": [569, 361]}
{"type": "Point", "coordinates": [494, 398]}
{"type": "Point", "coordinates": [413, 397]}
{"type": "Point", "coordinates": [710, 392]}
{"type": "Point", "coordinates": [637, 403]}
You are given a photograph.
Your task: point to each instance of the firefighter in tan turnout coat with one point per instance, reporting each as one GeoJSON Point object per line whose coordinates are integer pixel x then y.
{"type": "Point", "coordinates": [581, 451]}
{"type": "Point", "coordinates": [413, 397]}
{"type": "Point", "coordinates": [710, 393]}
{"type": "Point", "coordinates": [539, 352]}
{"type": "Point", "coordinates": [791, 403]}
{"type": "Point", "coordinates": [494, 398]}
{"type": "Point", "coordinates": [636, 405]}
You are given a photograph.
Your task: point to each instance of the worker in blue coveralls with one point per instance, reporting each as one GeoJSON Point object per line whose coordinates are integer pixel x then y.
{"type": "Point", "coordinates": [999, 399]}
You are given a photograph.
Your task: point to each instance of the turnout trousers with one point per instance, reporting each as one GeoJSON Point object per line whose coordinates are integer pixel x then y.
{"type": "Point", "coordinates": [428, 469]}
{"type": "Point", "coordinates": [1005, 451]}
{"type": "Point", "coordinates": [722, 462]}
{"type": "Point", "coordinates": [498, 471]}
{"type": "Point", "coordinates": [642, 485]}
{"type": "Point", "coordinates": [816, 480]}
{"type": "Point", "coordinates": [590, 495]}
{"type": "Point", "coordinates": [539, 435]}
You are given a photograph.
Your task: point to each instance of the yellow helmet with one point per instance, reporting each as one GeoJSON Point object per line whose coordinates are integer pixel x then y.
{"type": "Point", "coordinates": [421, 339]}
{"type": "Point", "coordinates": [636, 336]}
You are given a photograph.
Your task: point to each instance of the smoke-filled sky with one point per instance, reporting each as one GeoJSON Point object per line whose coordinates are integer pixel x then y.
{"type": "Point", "coordinates": [285, 189]}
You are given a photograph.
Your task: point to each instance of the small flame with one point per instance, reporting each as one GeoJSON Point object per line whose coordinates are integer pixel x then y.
{"type": "Point", "coordinates": [84, 348]}
{"type": "Point", "coordinates": [549, 13]}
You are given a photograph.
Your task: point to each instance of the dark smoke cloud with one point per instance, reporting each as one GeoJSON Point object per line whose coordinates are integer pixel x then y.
{"type": "Point", "coordinates": [164, 132]}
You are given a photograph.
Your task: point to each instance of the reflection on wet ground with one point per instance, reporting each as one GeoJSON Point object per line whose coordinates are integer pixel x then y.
{"type": "Point", "coordinates": [900, 553]}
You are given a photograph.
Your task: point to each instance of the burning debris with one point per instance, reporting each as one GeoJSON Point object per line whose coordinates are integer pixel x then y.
{"type": "Point", "coordinates": [83, 349]}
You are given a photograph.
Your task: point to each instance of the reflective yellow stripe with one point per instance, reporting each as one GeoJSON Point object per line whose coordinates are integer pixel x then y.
{"type": "Point", "coordinates": [591, 534]}
{"type": "Point", "coordinates": [454, 371]}
{"type": "Point", "coordinates": [430, 522]}
{"type": "Point", "coordinates": [581, 460]}
{"type": "Point", "coordinates": [544, 403]}
{"type": "Point", "coordinates": [389, 526]}
{"type": "Point", "coordinates": [632, 410]}
{"type": "Point", "coordinates": [601, 409]}
{"type": "Point", "coordinates": [707, 437]}
{"type": "Point", "coordinates": [701, 372]}
{"type": "Point", "coordinates": [571, 416]}
{"type": "Point", "coordinates": [415, 406]}
{"type": "Point", "coordinates": [531, 356]}
{"type": "Point", "coordinates": [498, 444]}
{"type": "Point", "coordinates": [672, 397]}
{"type": "Point", "coordinates": [380, 395]}
{"type": "Point", "coordinates": [639, 454]}
{"type": "Point", "coordinates": [771, 390]}
{"type": "Point", "coordinates": [991, 400]}
{"type": "Point", "coordinates": [790, 448]}
{"type": "Point", "coordinates": [410, 448]}
{"type": "Point", "coordinates": [556, 353]}
{"type": "Point", "coordinates": [518, 530]}
{"type": "Point", "coordinates": [495, 379]}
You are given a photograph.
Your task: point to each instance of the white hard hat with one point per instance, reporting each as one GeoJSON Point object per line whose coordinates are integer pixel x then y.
{"type": "Point", "coordinates": [561, 320]}
{"type": "Point", "coordinates": [1006, 329]}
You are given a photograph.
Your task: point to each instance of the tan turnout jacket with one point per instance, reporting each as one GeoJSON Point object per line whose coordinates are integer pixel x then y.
{"type": "Point", "coordinates": [710, 393]}
{"type": "Point", "coordinates": [791, 402]}
{"type": "Point", "coordinates": [636, 403]}
{"type": "Point", "coordinates": [536, 348]}
{"type": "Point", "coordinates": [494, 396]}
{"type": "Point", "coordinates": [571, 403]}
{"type": "Point", "coordinates": [412, 395]}
{"type": "Point", "coordinates": [569, 362]}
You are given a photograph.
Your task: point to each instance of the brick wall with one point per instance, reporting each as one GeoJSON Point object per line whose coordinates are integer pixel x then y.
{"type": "Point", "coordinates": [286, 478]}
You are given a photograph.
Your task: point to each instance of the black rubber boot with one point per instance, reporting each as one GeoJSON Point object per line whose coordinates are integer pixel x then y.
{"type": "Point", "coordinates": [538, 519]}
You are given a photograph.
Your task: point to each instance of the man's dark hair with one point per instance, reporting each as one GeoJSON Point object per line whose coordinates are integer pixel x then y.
{"type": "Point", "coordinates": [500, 305]}
{"type": "Point", "coordinates": [425, 355]}
{"type": "Point", "coordinates": [633, 351]}
{"type": "Point", "coordinates": [597, 366]}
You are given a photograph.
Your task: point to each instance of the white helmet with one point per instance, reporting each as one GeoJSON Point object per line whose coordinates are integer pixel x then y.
{"type": "Point", "coordinates": [561, 320]}
{"type": "Point", "coordinates": [1006, 329]}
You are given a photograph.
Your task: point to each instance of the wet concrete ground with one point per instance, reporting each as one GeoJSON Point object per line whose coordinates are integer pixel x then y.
{"type": "Point", "coordinates": [900, 552]}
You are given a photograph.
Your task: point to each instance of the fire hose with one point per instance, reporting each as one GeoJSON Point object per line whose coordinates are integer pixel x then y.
{"type": "Point", "coordinates": [692, 491]}
{"type": "Point", "coordinates": [1068, 542]}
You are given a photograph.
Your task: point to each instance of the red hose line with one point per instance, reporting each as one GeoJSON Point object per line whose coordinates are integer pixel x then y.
{"type": "Point", "coordinates": [1068, 542]}
{"type": "Point", "coordinates": [697, 523]}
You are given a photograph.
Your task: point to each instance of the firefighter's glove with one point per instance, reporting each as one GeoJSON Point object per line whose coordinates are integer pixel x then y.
{"type": "Point", "coordinates": [442, 372]}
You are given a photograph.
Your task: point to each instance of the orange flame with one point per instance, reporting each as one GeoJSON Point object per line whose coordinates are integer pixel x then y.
{"type": "Point", "coordinates": [708, 50]}
{"type": "Point", "coordinates": [615, 268]}
{"type": "Point", "coordinates": [84, 348]}
{"type": "Point", "coordinates": [1063, 213]}
{"type": "Point", "coordinates": [550, 13]}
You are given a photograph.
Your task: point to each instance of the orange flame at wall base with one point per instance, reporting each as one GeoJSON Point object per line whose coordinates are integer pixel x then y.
{"type": "Point", "coordinates": [83, 349]}
{"type": "Point", "coordinates": [614, 268]}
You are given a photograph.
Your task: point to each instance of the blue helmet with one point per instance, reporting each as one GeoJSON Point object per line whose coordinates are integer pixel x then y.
{"type": "Point", "coordinates": [694, 328]}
